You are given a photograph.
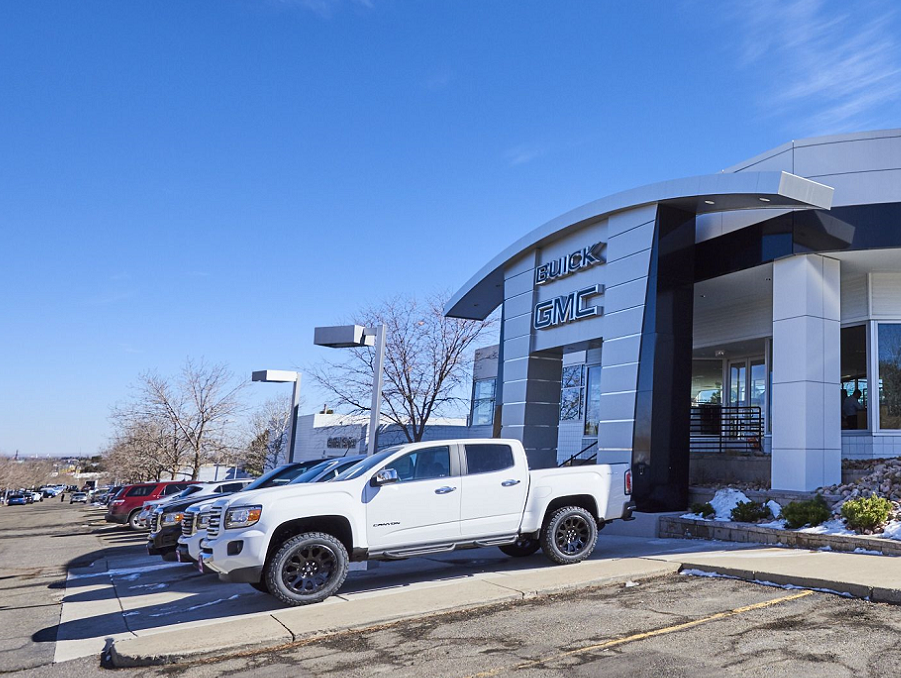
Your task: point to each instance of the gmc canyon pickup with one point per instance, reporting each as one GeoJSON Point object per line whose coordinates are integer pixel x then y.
{"type": "Point", "coordinates": [296, 542]}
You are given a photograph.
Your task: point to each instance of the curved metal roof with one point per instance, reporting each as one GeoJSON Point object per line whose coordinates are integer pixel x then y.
{"type": "Point", "coordinates": [484, 292]}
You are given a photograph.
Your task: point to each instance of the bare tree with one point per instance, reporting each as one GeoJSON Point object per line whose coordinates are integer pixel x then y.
{"type": "Point", "coordinates": [270, 426]}
{"type": "Point", "coordinates": [426, 363]}
{"type": "Point", "coordinates": [194, 412]}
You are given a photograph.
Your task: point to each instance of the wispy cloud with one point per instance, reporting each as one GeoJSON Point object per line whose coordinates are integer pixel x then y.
{"type": "Point", "coordinates": [523, 153]}
{"type": "Point", "coordinates": [111, 297]}
{"type": "Point", "coordinates": [324, 9]}
{"type": "Point", "coordinates": [832, 69]}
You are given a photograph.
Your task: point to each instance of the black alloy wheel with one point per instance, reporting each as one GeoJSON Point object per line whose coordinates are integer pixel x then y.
{"type": "Point", "coordinates": [307, 569]}
{"type": "Point", "coordinates": [569, 535]}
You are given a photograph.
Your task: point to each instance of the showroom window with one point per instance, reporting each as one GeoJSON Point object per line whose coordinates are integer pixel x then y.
{"type": "Point", "coordinates": [854, 393]}
{"type": "Point", "coordinates": [706, 382]}
{"type": "Point", "coordinates": [889, 341]}
{"type": "Point", "coordinates": [593, 401]}
{"type": "Point", "coordinates": [571, 393]}
{"type": "Point", "coordinates": [483, 399]}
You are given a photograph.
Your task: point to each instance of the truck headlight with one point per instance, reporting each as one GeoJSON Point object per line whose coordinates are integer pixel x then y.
{"type": "Point", "coordinates": [203, 520]}
{"type": "Point", "coordinates": [242, 516]}
{"type": "Point", "coordinates": [172, 518]}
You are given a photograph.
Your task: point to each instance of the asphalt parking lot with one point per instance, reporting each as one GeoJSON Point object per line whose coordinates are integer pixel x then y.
{"type": "Point", "coordinates": [673, 626]}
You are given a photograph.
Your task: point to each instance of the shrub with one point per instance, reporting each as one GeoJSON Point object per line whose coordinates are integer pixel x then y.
{"type": "Point", "coordinates": [750, 512]}
{"type": "Point", "coordinates": [809, 512]}
{"type": "Point", "coordinates": [704, 509]}
{"type": "Point", "coordinates": [866, 514]}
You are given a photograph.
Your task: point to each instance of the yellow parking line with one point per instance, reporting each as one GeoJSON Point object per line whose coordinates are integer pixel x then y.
{"type": "Point", "coordinates": [642, 636]}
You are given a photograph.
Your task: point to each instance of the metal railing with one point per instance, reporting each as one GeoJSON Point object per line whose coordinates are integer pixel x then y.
{"type": "Point", "coordinates": [726, 428]}
{"type": "Point", "coordinates": [578, 460]}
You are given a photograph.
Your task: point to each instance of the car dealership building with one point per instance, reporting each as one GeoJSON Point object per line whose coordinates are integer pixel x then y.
{"type": "Point", "coordinates": [749, 310]}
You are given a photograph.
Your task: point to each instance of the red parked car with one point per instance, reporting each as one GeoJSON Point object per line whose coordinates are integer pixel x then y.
{"type": "Point", "coordinates": [126, 506]}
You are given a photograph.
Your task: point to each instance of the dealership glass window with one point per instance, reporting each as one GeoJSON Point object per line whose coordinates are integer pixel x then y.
{"type": "Point", "coordinates": [854, 378]}
{"type": "Point", "coordinates": [571, 392]}
{"type": "Point", "coordinates": [706, 382]}
{"type": "Point", "coordinates": [593, 400]}
{"type": "Point", "coordinates": [889, 343]}
{"type": "Point", "coordinates": [483, 399]}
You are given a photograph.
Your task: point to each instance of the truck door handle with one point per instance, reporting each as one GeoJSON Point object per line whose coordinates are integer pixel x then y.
{"type": "Point", "coordinates": [445, 490]}
{"type": "Point", "coordinates": [510, 483]}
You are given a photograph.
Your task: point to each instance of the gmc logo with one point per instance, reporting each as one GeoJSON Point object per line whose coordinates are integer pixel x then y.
{"type": "Point", "coordinates": [568, 308]}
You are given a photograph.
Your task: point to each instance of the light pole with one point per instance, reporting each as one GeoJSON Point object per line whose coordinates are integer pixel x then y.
{"type": "Point", "coordinates": [282, 377]}
{"type": "Point", "coordinates": [355, 336]}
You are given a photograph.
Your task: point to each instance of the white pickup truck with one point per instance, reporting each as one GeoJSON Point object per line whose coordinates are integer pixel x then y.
{"type": "Point", "coordinates": [296, 541]}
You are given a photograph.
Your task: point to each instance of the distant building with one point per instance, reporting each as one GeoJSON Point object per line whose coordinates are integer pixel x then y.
{"type": "Point", "coordinates": [344, 435]}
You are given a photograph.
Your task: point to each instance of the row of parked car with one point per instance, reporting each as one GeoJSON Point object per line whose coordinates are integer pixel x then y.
{"type": "Point", "coordinates": [176, 512]}
{"type": "Point", "coordinates": [24, 496]}
{"type": "Point", "coordinates": [293, 532]}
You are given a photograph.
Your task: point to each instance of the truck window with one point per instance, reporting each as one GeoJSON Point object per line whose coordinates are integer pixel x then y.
{"type": "Point", "coordinates": [423, 464]}
{"type": "Point", "coordinates": [488, 458]}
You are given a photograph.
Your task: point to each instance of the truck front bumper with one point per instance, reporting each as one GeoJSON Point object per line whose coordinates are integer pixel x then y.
{"type": "Point", "coordinates": [192, 544]}
{"type": "Point", "coordinates": [237, 557]}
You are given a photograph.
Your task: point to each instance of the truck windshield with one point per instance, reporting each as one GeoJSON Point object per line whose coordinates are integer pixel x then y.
{"type": "Point", "coordinates": [280, 476]}
{"type": "Point", "coordinates": [366, 465]}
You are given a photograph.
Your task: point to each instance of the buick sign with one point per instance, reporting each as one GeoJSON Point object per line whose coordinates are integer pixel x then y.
{"type": "Point", "coordinates": [569, 264]}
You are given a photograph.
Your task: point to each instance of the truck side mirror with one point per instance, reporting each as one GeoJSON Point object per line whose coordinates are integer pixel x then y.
{"type": "Point", "coordinates": [384, 477]}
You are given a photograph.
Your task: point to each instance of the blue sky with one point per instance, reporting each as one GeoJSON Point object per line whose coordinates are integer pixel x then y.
{"type": "Point", "coordinates": [213, 179]}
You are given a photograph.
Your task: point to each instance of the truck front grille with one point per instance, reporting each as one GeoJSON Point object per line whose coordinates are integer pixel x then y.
{"type": "Point", "coordinates": [187, 524]}
{"type": "Point", "coordinates": [157, 521]}
{"type": "Point", "coordinates": [215, 521]}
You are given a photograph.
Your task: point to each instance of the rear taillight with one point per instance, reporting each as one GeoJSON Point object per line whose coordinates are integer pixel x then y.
{"type": "Point", "coordinates": [627, 482]}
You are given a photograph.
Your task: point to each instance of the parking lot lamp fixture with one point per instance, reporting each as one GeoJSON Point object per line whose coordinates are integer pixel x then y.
{"type": "Point", "coordinates": [283, 377]}
{"type": "Point", "coordinates": [356, 336]}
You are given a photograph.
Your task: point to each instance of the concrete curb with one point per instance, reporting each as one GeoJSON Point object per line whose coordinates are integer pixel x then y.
{"type": "Point", "coordinates": [875, 594]}
{"type": "Point", "coordinates": [292, 626]}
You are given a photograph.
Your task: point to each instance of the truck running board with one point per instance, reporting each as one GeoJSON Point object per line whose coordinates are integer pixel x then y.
{"type": "Point", "coordinates": [397, 554]}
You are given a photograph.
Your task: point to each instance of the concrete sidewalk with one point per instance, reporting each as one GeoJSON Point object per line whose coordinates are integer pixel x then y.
{"type": "Point", "coordinates": [466, 580]}
{"type": "Point", "coordinates": [872, 577]}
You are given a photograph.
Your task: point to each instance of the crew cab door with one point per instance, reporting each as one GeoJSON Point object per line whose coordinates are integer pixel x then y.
{"type": "Point", "coordinates": [495, 484]}
{"type": "Point", "coordinates": [423, 506]}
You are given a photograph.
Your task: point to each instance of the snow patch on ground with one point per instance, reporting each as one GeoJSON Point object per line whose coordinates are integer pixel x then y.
{"type": "Point", "coordinates": [150, 587]}
{"type": "Point", "coordinates": [213, 602]}
{"type": "Point", "coordinates": [696, 516]}
{"type": "Point", "coordinates": [892, 530]}
{"type": "Point", "coordinates": [725, 500]}
{"type": "Point", "coordinates": [774, 524]}
{"type": "Point", "coordinates": [834, 526]}
{"type": "Point", "coordinates": [129, 573]}
{"type": "Point", "coordinates": [763, 582]}
{"type": "Point", "coordinates": [774, 508]}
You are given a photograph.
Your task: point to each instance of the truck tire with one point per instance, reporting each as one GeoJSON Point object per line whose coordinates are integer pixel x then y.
{"type": "Point", "coordinates": [569, 535]}
{"type": "Point", "coordinates": [133, 520]}
{"type": "Point", "coordinates": [307, 569]}
{"type": "Point", "coordinates": [524, 546]}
